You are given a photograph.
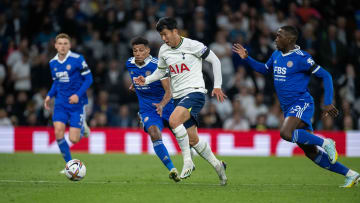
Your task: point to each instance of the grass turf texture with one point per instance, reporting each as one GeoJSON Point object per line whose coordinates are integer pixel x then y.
{"type": "Point", "coordinates": [26, 177]}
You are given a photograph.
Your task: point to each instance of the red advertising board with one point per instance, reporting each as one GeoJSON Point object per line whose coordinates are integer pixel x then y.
{"type": "Point", "coordinates": [135, 141]}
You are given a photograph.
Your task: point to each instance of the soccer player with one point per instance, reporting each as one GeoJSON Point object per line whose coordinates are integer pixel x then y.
{"type": "Point", "coordinates": [182, 57]}
{"type": "Point", "coordinates": [155, 104]}
{"type": "Point", "coordinates": [292, 68]}
{"type": "Point", "coordinates": [72, 78]}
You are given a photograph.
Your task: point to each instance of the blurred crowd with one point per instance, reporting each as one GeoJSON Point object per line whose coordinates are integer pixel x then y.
{"type": "Point", "coordinates": [102, 29]}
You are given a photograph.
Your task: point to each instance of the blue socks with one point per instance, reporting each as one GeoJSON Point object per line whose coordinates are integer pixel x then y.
{"type": "Point", "coordinates": [163, 154]}
{"type": "Point", "coordinates": [64, 148]}
{"type": "Point", "coordinates": [322, 160]}
{"type": "Point", "coordinates": [304, 137]}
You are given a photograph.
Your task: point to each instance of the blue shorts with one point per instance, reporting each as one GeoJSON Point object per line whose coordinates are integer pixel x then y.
{"type": "Point", "coordinates": [150, 117]}
{"type": "Point", "coordinates": [74, 116]}
{"type": "Point", "coordinates": [153, 118]}
{"type": "Point", "coordinates": [194, 103]}
{"type": "Point", "coordinates": [302, 109]}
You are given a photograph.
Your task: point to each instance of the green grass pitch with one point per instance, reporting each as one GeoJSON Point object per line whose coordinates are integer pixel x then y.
{"type": "Point", "coordinates": [26, 177]}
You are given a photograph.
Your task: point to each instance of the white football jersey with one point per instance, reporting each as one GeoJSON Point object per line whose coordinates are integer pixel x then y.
{"type": "Point", "coordinates": [184, 63]}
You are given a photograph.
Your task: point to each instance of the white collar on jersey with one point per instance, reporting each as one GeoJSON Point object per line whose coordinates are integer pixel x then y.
{"type": "Point", "coordinates": [57, 57]}
{"type": "Point", "coordinates": [297, 48]}
{"type": "Point", "coordinates": [146, 61]}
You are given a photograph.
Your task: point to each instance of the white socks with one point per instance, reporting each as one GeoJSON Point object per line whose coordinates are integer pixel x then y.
{"type": "Point", "coordinates": [204, 150]}
{"type": "Point", "coordinates": [183, 141]}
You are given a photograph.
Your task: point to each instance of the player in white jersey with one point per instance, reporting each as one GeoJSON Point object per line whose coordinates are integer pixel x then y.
{"type": "Point", "coordinates": [183, 58]}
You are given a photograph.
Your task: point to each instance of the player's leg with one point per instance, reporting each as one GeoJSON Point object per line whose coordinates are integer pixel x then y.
{"type": "Point", "coordinates": [321, 159]}
{"type": "Point", "coordinates": [176, 120]}
{"type": "Point", "coordinates": [153, 124]}
{"type": "Point", "coordinates": [74, 134]}
{"type": "Point", "coordinates": [204, 150]}
{"type": "Point", "coordinates": [60, 118]}
{"type": "Point", "coordinates": [162, 152]}
{"type": "Point", "coordinates": [77, 122]}
{"type": "Point", "coordinates": [303, 112]}
{"type": "Point", "coordinates": [85, 131]}
{"type": "Point", "coordinates": [60, 139]}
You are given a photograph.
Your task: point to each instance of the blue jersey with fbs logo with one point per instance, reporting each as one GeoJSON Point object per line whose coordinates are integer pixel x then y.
{"type": "Point", "coordinates": [151, 93]}
{"type": "Point", "coordinates": [69, 77]}
{"type": "Point", "coordinates": [291, 72]}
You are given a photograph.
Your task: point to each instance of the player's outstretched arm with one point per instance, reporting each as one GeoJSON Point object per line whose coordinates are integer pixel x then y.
{"type": "Point", "coordinates": [159, 73]}
{"type": "Point", "coordinates": [329, 108]}
{"type": "Point", "coordinates": [216, 65]}
{"type": "Point", "coordinates": [243, 53]}
{"type": "Point", "coordinates": [166, 98]}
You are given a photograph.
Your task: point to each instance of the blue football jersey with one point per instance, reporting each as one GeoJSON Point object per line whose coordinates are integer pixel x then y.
{"type": "Point", "coordinates": [151, 93]}
{"type": "Point", "coordinates": [69, 77]}
{"type": "Point", "coordinates": [291, 73]}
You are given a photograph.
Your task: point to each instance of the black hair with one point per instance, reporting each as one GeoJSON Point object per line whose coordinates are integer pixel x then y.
{"type": "Point", "coordinates": [291, 30]}
{"type": "Point", "coordinates": [139, 40]}
{"type": "Point", "coordinates": [166, 23]}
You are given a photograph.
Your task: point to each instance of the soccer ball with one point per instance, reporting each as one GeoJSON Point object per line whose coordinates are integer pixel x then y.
{"type": "Point", "coordinates": [75, 170]}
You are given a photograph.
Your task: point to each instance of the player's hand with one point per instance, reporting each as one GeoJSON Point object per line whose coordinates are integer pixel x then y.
{"type": "Point", "coordinates": [330, 110]}
{"type": "Point", "coordinates": [239, 49]}
{"type": "Point", "coordinates": [47, 103]}
{"type": "Point", "coordinates": [132, 88]}
{"type": "Point", "coordinates": [74, 99]}
{"type": "Point", "coordinates": [140, 80]}
{"type": "Point", "coordinates": [159, 108]}
{"type": "Point", "coordinates": [220, 96]}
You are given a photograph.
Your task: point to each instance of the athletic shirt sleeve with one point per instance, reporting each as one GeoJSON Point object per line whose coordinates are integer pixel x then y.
{"type": "Point", "coordinates": [309, 65]}
{"type": "Point", "coordinates": [199, 49]}
{"type": "Point", "coordinates": [161, 61]}
{"type": "Point", "coordinates": [53, 76]}
{"type": "Point", "coordinates": [269, 64]}
{"type": "Point", "coordinates": [84, 68]}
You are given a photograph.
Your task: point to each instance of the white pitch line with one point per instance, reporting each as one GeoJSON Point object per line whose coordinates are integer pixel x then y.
{"type": "Point", "coordinates": [144, 183]}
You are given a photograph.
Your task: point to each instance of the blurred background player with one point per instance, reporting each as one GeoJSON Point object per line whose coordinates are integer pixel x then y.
{"type": "Point", "coordinates": [182, 57]}
{"type": "Point", "coordinates": [71, 78]}
{"type": "Point", "coordinates": [292, 69]}
{"type": "Point", "coordinates": [155, 101]}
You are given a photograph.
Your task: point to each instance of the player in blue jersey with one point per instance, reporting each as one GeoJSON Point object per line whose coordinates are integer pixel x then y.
{"type": "Point", "coordinates": [72, 78]}
{"type": "Point", "coordinates": [291, 69]}
{"type": "Point", "coordinates": [155, 101]}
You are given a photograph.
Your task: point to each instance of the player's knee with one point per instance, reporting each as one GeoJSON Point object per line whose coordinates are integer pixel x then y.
{"type": "Point", "coordinates": [154, 135]}
{"type": "Point", "coordinates": [59, 133]}
{"type": "Point", "coordinates": [285, 134]}
{"type": "Point", "coordinates": [74, 139]}
{"type": "Point", "coordinates": [173, 122]}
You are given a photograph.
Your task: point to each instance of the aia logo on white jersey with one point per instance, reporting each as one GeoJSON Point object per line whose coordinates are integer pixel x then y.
{"type": "Point", "coordinates": [177, 69]}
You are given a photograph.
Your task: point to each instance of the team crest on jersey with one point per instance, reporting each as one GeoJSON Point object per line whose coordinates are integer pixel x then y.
{"type": "Point", "coordinates": [68, 67]}
{"type": "Point", "coordinates": [55, 69]}
{"type": "Point", "coordinates": [131, 72]}
{"type": "Point", "coordinates": [148, 73]}
{"type": "Point", "coordinates": [146, 119]}
{"type": "Point", "coordinates": [275, 61]}
{"type": "Point", "coordinates": [290, 64]}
